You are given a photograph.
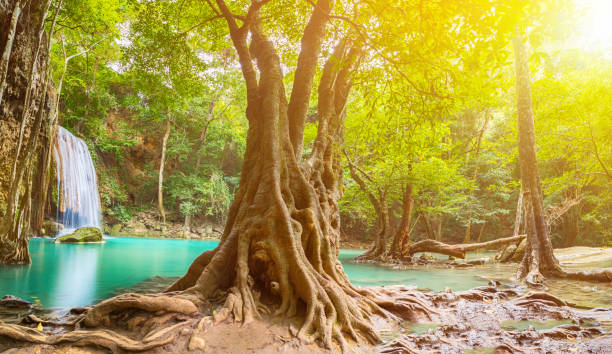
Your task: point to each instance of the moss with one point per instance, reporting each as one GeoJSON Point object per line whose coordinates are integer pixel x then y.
{"type": "Point", "coordinates": [50, 227]}
{"type": "Point", "coordinates": [84, 234]}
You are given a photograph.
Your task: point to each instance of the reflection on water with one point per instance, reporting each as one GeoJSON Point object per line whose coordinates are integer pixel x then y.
{"type": "Point", "coordinates": [76, 275]}
{"type": "Point", "coordinates": [69, 275]}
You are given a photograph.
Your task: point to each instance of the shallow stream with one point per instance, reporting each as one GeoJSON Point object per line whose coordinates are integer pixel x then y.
{"type": "Point", "coordinates": [70, 275]}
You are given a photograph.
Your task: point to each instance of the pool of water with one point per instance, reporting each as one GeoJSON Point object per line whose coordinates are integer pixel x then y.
{"type": "Point", "coordinates": [69, 275]}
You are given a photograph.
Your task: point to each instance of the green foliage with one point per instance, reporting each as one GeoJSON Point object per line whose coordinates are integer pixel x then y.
{"type": "Point", "coordinates": [216, 196]}
{"type": "Point", "coordinates": [430, 74]}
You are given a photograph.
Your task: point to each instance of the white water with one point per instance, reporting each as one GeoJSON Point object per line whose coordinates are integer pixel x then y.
{"type": "Point", "coordinates": [77, 187]}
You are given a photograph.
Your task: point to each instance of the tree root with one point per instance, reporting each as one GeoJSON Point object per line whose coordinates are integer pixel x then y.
{"type": "Point", "coordinates": [99, 338]}
{"type": "Point", "coordinates": [465, 314]}
{"type": "Point", "coordinates": [99, 314]}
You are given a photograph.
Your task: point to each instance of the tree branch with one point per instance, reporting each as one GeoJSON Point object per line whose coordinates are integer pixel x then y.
{"type": "Point", "coordinates": [304, 73]}
{"type": "Point", "coordinates": [596, 151]}
{"type": "Point", "coordinates": [394, 64]}
{"type": "Point", "coordinates": [239, 38]}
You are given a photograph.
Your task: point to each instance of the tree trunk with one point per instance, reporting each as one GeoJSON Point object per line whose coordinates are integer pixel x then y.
{"type": "Point", "coordinates": [30, 83]}
{"type": "Point", "coordinates": [17, 219]}
{"type": "Point", "coordinates": [40, 185]}
{"type": "Point", "coordinates": [401, 239]}
{"type": "Point", "coordinates": [15, 224]}
{"type": "Point", "coordinates": [282, 233]}
{"type": "Point", "coordinates": [459, 250]}
{"type": "Point", "coordinates": [162, 161]}
{"type": "Point", "coordinates": [8, 47]}
{"type": "Point", "coordinates": [539, 257]}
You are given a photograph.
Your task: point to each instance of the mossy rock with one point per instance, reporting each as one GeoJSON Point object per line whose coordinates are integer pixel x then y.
{"type": "Point", "coordinates": [115, 230]}
{"type": "Point", "coordinates": [507, 253]}
{"type": "Point", "coordinates": [517, 256]}
{"type": "Point", "coordinates": [84, 234]}
{"type": "Point", "coordinates": [51, 228]}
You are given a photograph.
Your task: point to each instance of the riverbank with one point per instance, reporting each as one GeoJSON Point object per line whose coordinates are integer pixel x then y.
{"type": "Point", "coordinates": [146, 224]}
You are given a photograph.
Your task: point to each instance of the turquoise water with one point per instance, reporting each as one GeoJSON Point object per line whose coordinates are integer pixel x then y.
{"type": "Point", "coordinates": [69, 275]}
{"type": "Point", "coordinates": [426, 278]}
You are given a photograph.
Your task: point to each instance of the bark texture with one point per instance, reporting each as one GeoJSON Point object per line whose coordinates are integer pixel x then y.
{"type": "Point", "coordinates": [25, 110]}
{"type": "Point", "coordinates": [401, 239]}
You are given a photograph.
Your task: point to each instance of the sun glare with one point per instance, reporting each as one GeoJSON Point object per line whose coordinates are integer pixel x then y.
{"type": "Point", "coordinates": [596, 31]}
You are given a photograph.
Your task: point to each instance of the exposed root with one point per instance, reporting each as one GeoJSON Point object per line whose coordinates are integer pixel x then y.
{"type": "Point", "coordinates": [99, 314]}
{"type": "Point", "coordinates": [99, 338]}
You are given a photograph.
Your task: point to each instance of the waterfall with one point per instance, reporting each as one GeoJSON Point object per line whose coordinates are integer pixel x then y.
{"type": "Point", "coordinates": [77, 187]}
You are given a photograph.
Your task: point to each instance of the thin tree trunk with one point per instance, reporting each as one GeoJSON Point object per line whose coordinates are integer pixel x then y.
{"type": "Point", "coordinates": [519, 213]}
{"type": "Point", "coordinates": [468, 230]}
{"type": "Point", "coordinates": [428, 228]}
{"type": "Point", "coordinates": [539, 256]}
{"type": "Point", "coordinates": [187, 224]}
{"type": "Point", "coordinates": [202, 139]}
{"type": "Point", "coordinates": [482, 228]}
{"type": "Point", "coordinates": [439, 228]}
{"type": "Point", "coordinates": [162, 161]}
{"type": "Point", "coordinates": [8, 47]}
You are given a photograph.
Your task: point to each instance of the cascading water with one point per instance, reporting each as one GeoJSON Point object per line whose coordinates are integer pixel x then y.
{"type": "Point", "coordinates": [77, 187]}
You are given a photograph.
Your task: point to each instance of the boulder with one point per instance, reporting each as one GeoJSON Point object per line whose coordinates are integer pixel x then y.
{"type": "Point", "coordinates": [84, 234]}
{"type": "Point", "coordinates": [14, 302]}
{"type": "Point", "coordinates": [507, 253]}
{"type": "Point", "coordinates": [517, 256]}
{"type": "Point", "coordinates": [51, 228]}
{"type": "Point", "coordinates": [115, 230]}
{"type": "Point", "coordinates": [479, 261]}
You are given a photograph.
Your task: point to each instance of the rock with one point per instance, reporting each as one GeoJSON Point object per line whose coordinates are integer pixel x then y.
{"type": "Point", "coordinates": [115, 230]}
{"type": "Point", "coordinates": [457, 264]}
{"type": "Point", "coordinates": [507, 253]}
{"type": "Point", "coordinates": [14, 302]}
{"type": "Point", "coordinates": [84, 234]}
{"type": "Point", "coordinates": [494, 283]}
{"type": "Point", "coordinates": [50, 227]}
{"type": "Point", "coordinates": [479, 261]}
{"type": "Point", "coordinates": [518, 254]}
{"type": "Point", "coordinates": [196, 342]}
